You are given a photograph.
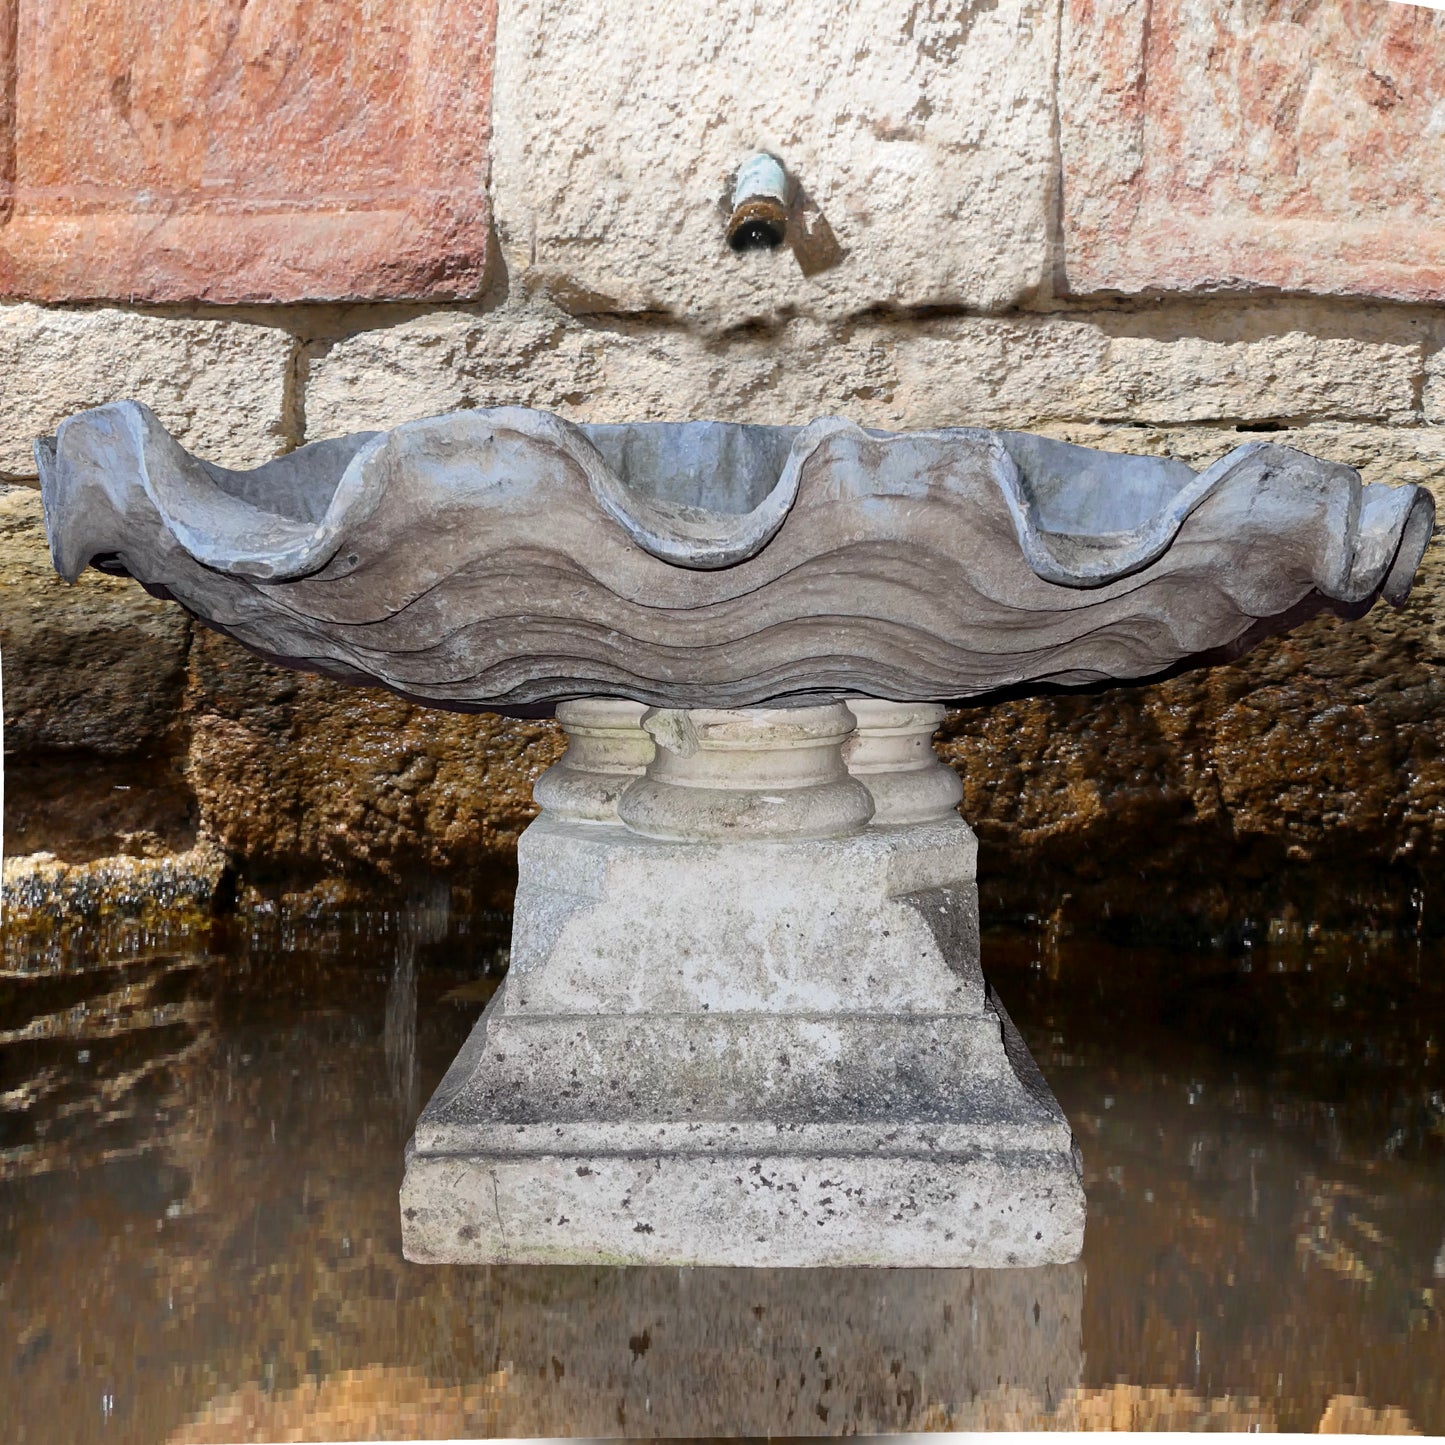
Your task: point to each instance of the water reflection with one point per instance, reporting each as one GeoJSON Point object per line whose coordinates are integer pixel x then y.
{"type": "Point", "coordinates": [423, 921]}
{"type": "Point", "coordinates": [398, 1033]}
{"type": "Point", "coordinates": [200, 1150]}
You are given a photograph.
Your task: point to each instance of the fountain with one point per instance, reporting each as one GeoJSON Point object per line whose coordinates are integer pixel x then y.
{"type": "Point", "coordinates": [745, 1021]}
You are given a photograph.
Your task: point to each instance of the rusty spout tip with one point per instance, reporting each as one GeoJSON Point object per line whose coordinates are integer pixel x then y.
{"type": "Point", "coordinates": [758, 224]}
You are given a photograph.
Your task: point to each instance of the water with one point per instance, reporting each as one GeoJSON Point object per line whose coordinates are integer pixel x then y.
{"type": "Point", "coordinates": [201, 1143]}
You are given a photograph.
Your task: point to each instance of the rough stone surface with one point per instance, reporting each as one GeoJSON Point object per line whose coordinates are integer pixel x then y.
{"type": "Point", "coordinates": [920, 136]}
{"type": "Point", "coordinates": [96, 667]}
{"type": "Point", "coordinates": [288, 151]}
{"type": "Point", "coordinates": [296, 774]}
{"type": "Point", "coordinates": [77, 807]}
{"type": "Point", "coordinates": [1170, 364]}
{"type": "Point", "coordinates": [1223, 144]}
{"type": "Point", "coordinates": [1433, 388]}
{"type": "Point", "coordinates": [221, 387]}
{"type": "Point", "coordinates": [940, 154]}
{"type": "Point", "coordinates": [93, 675]}
{"type": "Point", "coordinates": [53, 908]}
{"type": "Point", "coordinates": [741, 1041]}
{"type": "Point", "coordinates": [1098, 797]}
{"type": "Point", "coordinates": [1095, 799]}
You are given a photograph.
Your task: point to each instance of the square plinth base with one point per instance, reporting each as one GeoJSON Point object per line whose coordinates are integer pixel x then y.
{"type": "Point", "coordinates": [945, 1193]}
{"type": "Point", "coordinates": [751, 1054]}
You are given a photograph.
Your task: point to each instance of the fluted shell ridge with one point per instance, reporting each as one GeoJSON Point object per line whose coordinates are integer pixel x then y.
{"type": "Point", "coordinates": [507, 559]}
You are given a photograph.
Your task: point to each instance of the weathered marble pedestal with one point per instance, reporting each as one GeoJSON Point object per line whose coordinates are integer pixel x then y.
{"type": "Point", "coordinates": [745, 1022]}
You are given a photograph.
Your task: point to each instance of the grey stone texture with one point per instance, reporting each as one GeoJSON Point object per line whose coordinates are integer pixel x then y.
{"type": "Point", "coordinates": [222, 387]}
{"type": "Point", "coordinates": [506, 559]}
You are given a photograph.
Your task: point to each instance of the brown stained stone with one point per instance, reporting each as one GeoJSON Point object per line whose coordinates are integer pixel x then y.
{"type": "Point", "coordinates": [365, 1404]}
{"type": "Point", "coordinates": [299, 774]}
{"type": "Point", "coordinates": [93, 681]}
{"type": "Point", "coordinates": [1205, 796]}
{"type": "Point", "coordinates": [219, 150]}
{"type": "Point", "coordinates": [95, 667]}
{"type": "Point", "coordinates": [1195, 795]}
{"type": "Point", "coordinates": [79, 808]}
{"type": "Point", "coordinates": [1225, 144]}
{"type": "Point", "coordinates": [403, 1403]}
{"type": "Point", "coordinates": [1351, 1415]}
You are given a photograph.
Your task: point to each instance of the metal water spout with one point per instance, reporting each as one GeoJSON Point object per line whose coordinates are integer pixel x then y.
{"type": "Point", "coordinates": [759, 219]}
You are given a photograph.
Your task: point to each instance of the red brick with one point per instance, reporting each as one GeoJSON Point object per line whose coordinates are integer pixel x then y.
{"type": "Point", "coordinates": [1254, 144]}
{"type": "Point", "coordinates": [220, 150]}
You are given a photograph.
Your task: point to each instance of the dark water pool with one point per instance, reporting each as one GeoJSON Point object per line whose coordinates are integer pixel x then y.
{"type": "Point", "coordinates": [200, 1147]}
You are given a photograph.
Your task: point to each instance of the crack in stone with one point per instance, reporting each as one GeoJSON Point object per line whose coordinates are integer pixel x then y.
{"type": "Point", "coordinates": [497, 1209]}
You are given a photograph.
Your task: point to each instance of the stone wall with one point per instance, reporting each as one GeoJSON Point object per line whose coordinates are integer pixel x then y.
{"type": "Point", "coordinates": [979, 235]}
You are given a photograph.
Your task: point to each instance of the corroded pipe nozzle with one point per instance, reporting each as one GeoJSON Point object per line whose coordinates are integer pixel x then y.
{"type": "Point", "coordinates": [759, 219]}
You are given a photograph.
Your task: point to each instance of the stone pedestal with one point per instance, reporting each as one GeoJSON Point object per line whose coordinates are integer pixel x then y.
{"type": "Point", "coordinates": [745, 1022]}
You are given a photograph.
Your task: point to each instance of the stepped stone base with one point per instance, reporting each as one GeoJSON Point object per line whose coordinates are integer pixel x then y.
{"type": "Point", "coordinates": [746, 1050]}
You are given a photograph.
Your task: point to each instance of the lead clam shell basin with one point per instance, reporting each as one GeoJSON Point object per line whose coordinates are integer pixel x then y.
{"type": "Point", "coordinates": [505, 560]}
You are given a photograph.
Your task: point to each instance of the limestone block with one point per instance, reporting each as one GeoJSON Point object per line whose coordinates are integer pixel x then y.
{"type": "Point", "coordinates": [222, 152]}
{"type": "Point", "coordinates": [588, 371]}
{"type": "Point", "coordinates": [755, 1033]}
{"type": "Point", "coordinates": [1173, 364]}
{"type": "Point", "coordinates": [920, 136]}
{"type": "Point", "coordinates": [1433, 391]}
{"type": "Point", "coordinates": [220, 385]}
{"type": "Point", "coordinates": [98, 666]}
{"type": "Point", "coordinates": [1290, 147]}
